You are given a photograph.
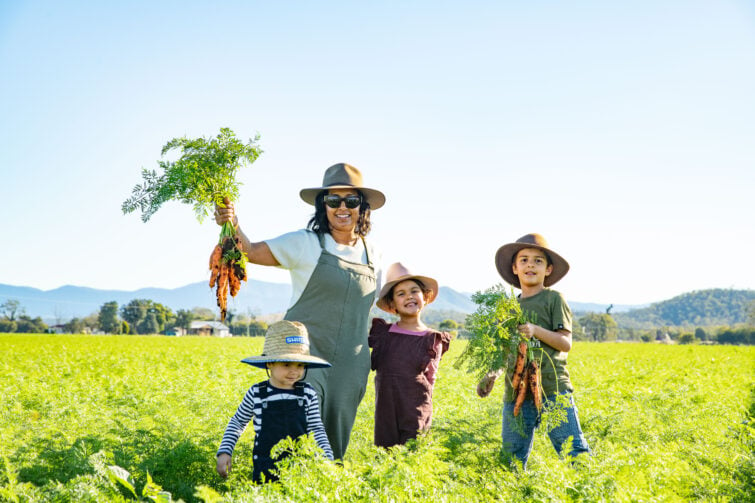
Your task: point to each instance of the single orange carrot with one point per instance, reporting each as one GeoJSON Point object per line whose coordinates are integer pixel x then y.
{"type": "Point", "coordinates": [522, 393]}
{"type": "Point", "coordinates": [215, 258]}
{"type": "Point", "coordinates": [222, 292]}
{"type": "Point", "coordinates": [533, 374]}
{"type": "Point", "coordinates": [521, 359]}
{"type": "Point", "coordinates": [217, 254]}
{"type": "Point", "coordinates": [233, 281]}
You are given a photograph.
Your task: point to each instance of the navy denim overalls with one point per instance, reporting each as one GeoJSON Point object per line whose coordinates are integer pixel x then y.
{"type": "Point", "coordinates": [280, 419]}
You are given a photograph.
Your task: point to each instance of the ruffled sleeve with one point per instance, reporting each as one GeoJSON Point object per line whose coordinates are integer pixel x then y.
{"type": "Point", "coordinates": [445, 341]}
{"type": "Point", "coordinates": [378, 332]}
{"type": "Point", "coordinates": [437, 345]}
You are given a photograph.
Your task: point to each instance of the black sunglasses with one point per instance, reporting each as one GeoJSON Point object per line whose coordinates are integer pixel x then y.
{"type": "Point", "coordinates": [335, 201]}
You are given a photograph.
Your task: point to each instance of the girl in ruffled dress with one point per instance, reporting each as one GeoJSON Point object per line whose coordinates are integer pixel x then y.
{"type": "Point", "coordinates": [405, 356]}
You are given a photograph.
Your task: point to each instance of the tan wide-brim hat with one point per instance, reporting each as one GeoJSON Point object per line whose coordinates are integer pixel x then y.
{"type": "Point", "coordinates": [397, 273]}
{"type": "Point", "coordinates": [343, 176]}
{"type": "Point", "coordinates": [507, 252]}
{"type": "Point", "coordinates": [286, 341]}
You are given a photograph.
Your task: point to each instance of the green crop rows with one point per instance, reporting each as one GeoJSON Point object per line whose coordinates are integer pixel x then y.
{"type": "Point", "coordinates": [666, 423]}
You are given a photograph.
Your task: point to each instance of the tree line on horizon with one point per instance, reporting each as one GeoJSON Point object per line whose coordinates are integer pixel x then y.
{"type": "Point", "coordinates": [708, 316]}
{"type": "Point", "coordinates": [137, 317]}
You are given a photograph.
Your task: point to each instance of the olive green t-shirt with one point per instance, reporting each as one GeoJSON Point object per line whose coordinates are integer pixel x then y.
{"type": "Point", "coordinates": [549, 310]}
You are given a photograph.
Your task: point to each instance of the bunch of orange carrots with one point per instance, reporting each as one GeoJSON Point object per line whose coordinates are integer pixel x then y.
{"type": "Point", "coordinates": [227, 267]}
{"type": "Point", "coordinates": [526, 378]}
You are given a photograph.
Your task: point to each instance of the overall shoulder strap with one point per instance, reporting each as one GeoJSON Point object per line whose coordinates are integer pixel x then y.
{"type": "Point", "coordinates": [299, 389]}
{"type": "Point", "coordinates": [263, 393]}
{"type": "Point", "coordinates": [367, 252]}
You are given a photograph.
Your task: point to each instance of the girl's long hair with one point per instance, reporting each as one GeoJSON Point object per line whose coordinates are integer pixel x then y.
{"type": "Point", "coordinates": [319, 221]}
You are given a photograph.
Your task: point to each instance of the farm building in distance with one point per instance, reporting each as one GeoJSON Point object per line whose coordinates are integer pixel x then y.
{"type": "Point", "coordinates": [209, 328]}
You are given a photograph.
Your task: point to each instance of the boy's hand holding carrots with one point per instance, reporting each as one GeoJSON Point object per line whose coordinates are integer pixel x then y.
{"type": "Point", "coordinates": [527, 330]}
{"type": "Point", "coordinates": [485, 386]}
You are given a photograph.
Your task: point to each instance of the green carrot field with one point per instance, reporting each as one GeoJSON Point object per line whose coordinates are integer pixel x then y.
{"type": "Point", "coordinates": [125, 418]}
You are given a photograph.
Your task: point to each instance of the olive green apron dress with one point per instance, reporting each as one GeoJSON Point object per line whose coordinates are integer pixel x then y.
{"type": "Point", "coordinates": [335, 307]}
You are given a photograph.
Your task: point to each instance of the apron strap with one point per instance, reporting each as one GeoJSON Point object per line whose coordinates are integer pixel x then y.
{"type": "Point", "coordinates": [367, 252]}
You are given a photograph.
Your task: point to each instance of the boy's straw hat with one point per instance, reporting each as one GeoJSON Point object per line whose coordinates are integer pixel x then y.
{"type": "Point", "coordinates": [343, 176]}
{"type": "Point", "coordinates": [286, 341]}
{"type": "Point", "coordinates": [507, 252]}
{"type": "Point", "coordinates": [396, 274]}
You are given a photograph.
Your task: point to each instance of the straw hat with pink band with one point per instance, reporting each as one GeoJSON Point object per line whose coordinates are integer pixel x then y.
{"type": "Point", "coordinates": [397, 273]}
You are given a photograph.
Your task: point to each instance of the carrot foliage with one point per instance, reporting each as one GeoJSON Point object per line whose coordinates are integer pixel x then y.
{"type": "Point", "coordinates": [203, 175]}
{"type": "Point", "coordinates": [492, 330]}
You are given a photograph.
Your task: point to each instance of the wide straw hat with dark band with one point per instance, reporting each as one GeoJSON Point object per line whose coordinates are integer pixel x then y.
{"type": "Point", "coordinates": [506, 253]}
{"type": "Point", "coordinates": [344, 176]}
{"type": "Point", "coordinates": [396, 274]}
{"type": "Point", "coordinates": [286, 341]}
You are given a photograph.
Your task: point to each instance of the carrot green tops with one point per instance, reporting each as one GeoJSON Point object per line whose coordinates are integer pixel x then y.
{"type": "Point", "coordinates": [549, 310]}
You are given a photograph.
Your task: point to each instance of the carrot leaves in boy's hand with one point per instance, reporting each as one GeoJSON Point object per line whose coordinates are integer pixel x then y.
{"type": "Point", "coordinates": [492, 330]}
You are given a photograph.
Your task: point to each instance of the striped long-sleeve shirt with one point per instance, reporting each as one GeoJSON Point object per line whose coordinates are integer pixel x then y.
{"type": "Point", "coordinates": [251, 408]}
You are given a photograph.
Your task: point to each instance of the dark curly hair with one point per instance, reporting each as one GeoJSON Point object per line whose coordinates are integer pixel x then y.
{"type": "Point", "coordinates": [319, 221]}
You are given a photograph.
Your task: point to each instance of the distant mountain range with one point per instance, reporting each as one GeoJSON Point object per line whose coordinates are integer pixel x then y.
{"type": "Point", "coordinates": [68, 301]}
{"type": "Point", "coordinates": [701, 308]}
{"type": "Point", "coordinates": [259, 297]}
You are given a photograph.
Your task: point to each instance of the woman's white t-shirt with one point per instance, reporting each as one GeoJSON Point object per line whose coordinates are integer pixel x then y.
{"type": "Point", "coordinates": [299, 252]}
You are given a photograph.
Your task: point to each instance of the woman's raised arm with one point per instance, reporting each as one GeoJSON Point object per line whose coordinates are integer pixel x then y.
{"type": "Point", "coordinates": [257, 253]}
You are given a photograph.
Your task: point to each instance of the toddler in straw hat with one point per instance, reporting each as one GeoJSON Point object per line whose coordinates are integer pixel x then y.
{"type": "Point", "coordinates": [405, 355]}
{"type": "Point", "coordinates": [282, 406]}
{"type": "Point", "coordinates": [532, 266]}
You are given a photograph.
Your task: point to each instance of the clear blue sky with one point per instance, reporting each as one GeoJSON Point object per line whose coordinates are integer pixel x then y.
{"type": "Point", "coordinates": [623, 132]}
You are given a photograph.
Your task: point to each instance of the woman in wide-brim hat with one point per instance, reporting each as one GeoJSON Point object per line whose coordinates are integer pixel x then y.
{"type": "Point", "coordinates": [335, 273]}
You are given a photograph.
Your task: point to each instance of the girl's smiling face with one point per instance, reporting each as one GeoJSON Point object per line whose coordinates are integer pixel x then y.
{"type": "Point", "coordinates": [407, 298]}
{"type": "Point", "coordinates": [284, 375]}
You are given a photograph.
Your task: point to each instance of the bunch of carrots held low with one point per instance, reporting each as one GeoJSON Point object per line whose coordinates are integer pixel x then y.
{"type": "Point", "coordinates": [526, 378]}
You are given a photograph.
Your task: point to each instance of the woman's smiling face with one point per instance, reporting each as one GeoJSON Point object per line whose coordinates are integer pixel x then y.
{"type": "Point", "coordinates": [342, 219]}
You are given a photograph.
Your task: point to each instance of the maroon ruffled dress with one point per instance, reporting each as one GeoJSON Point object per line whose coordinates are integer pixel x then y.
{"type": "Point", "coordinates": [404, 365]}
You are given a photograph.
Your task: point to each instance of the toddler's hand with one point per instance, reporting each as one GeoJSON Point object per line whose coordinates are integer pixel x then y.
{"type": "Point", "coordinates": [223, 465]}
{"type": "Point", "coordinates": [527, 330]}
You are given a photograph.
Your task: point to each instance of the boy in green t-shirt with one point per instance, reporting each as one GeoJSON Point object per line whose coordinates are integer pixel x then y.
{"type": "Point", "coordinates": [530, 265]}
